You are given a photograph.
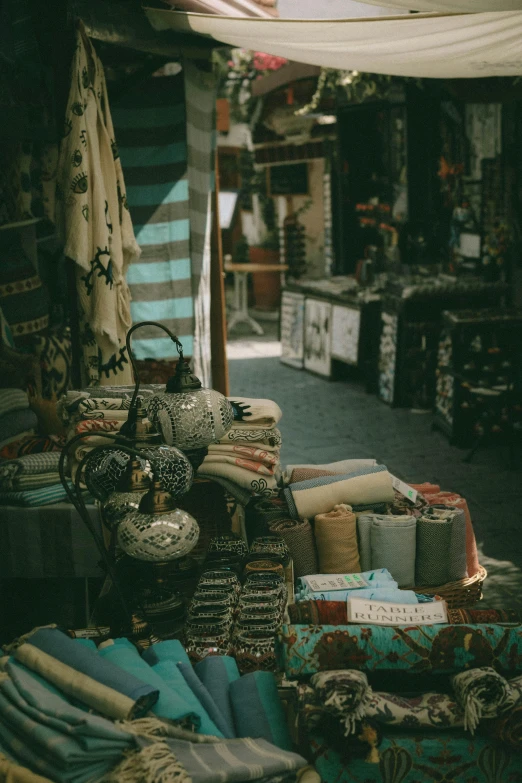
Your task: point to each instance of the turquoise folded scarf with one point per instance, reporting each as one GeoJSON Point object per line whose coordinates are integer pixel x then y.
{"type": "Point", "coordinates": [258, 711]}
{"type": "Point", "coordinates": [171, 704]}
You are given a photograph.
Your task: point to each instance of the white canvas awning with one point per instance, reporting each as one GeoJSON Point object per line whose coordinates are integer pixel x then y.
{"type": "Point", "coordinates": [420, 45]}
{"type": "Point", "coordinates": [449, 6]}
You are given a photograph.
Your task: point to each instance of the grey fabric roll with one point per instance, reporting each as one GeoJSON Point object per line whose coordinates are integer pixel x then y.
{"type": "Point", "coordinates": [458, 568]}
{"type": "Point", "coordinates": [300, 541]}
{"type": "Point", "coordinates": [393, 546]}
{"type": "Point", "coordinates": [364, 536]}
{"type": "Point", "coordinates": [434, 535]}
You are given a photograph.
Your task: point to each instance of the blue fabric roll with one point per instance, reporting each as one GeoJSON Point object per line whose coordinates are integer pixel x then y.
{"type": "Point", "coordinates": [204, 697]}
{"type": "Point", "coordinates": [174, 679]}
{"type": "Point", "coordinates": [217, 672]}
{"type": "Point", "coordinates": [88, 643]}
{"type": "Point", "coordinates": [170, 704]}
{"type": "Point", "coordinates": [169, 650]}
{"type": "Point", "coordinates": [258, 711]}
{"type": "Point", "coordinates": [59, 646]}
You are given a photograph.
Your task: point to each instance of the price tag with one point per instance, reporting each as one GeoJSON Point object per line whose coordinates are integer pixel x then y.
{"type": "Point", "coordinates": [320, 582]}
{"type": "Point", "coordinates": [371, 612]}
{"type": "Point", "coordinates": [404, 489]}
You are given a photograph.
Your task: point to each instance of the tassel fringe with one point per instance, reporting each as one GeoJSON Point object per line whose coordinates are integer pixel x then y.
{"type": "Point", "coordinates": [153, 764]}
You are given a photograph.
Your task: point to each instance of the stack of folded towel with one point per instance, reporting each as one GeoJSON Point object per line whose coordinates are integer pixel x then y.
{"type": "Point", "coordinates": [32, 480]}
{"type": "Point", "coordinates": [246, 461]}
{"type": "Point", "coordinates": [96, 411]}
{"type": "Point", "coordinates": [17, 420]}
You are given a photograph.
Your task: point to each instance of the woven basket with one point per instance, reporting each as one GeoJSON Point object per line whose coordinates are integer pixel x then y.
{"type": "Point", "coordinates": [461, 594]}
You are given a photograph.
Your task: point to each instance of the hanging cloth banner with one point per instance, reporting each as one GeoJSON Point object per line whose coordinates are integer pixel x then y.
{"type": "Point", "coordinates": [417, 45]}
{"type": "Point", "coordinates": [450, 6]}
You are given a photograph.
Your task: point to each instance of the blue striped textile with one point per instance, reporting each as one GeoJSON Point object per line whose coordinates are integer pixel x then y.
{"type": "Point", "coordinates": [150, 125]}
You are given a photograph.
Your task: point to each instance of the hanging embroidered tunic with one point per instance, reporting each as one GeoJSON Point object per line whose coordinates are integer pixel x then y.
{"type": "Point", "coordinates": [94, 220]}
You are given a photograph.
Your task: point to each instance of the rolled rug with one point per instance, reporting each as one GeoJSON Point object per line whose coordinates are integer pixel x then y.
{"type": "Point", "coordinates": [303, 650]}
{"type": "Point", "coordinates": [317, 496]}
{"type": "Point", "coordinates": [217, 673]}
{"type": "Point", "coordinates": [393, 546]}
{"type": "Point", "coordinates": [318, 613]}
{"type": "Point", "coordinates": [508, 728]}
{"type": "Point", "coordinates": [427, 710]}
{"type": "Point", "coordinates": [336, 540]}
{"type": "Point", "coordinates": [170, 703]}
{"type": "Point", "coordinates": [482, 693]}
{"type": "Point", "coordinates": [299, 538]}
{"type": "Point", "coordinates": [257, 709]}
{"type": "Point", "coordinates": [434, 537]}
{"type": "Point", "coordinates": [345, 694]}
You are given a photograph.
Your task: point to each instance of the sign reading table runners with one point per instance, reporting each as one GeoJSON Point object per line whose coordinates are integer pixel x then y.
{"type": "Point", "coordinates": [380, 613]}
{"type": "Point", "coordinates": [335, 582]}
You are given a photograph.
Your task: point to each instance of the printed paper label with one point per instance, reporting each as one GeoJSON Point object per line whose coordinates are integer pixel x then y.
{"type": "Point", "coordinates": [404, 489]}
{"type": "Point", "coordinates": [361, 610]}
{"type": "Point", "coordinates": [322, 582]}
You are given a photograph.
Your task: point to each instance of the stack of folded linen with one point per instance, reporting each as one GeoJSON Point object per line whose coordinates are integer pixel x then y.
{"type": "Point", "coordinates": [32, 480]}
{"type": "Point", "coordinates": [376, 585]}
{"type": "Point", "coordinates": [17, 420]}
{"type": "Point", "coordinates": [95, 411]}
{"type": "Point", "coordinates": [73, 712]}
{"type": "Point", "coordinates": [246, 459]}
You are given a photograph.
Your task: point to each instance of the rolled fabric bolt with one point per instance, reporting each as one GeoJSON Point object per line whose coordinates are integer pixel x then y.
{"type": "Point", "coordinates": [482, 693]}
{"type": "Point", "coordinates": [434, 536]}
{"type": "Point", "coordinates": [345, 694]}
{"type": "Point", "coordinates": [299, 538]}
{"type": "Point", "coordinates": [393, 543]}
{"type": "Point", "coordinates": [318, 496]}
{"type": "Point", "coordinates": [336, 539]}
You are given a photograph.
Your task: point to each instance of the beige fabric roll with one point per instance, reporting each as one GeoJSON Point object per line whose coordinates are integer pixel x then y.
{"type": "Point", "coordinates": [11, 772]}
{"type": "Point", "coordinates": [374, 487]}
{"type": "Point", "coordinates": [101, 698]}
{"type": "Point", "coordinates": [336, 540]}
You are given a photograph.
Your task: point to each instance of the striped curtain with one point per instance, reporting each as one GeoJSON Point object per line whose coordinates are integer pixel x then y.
{"type": "Point", "coordinates": [151, 130]}
{"type": "Point", "coordinates": [200, 91]}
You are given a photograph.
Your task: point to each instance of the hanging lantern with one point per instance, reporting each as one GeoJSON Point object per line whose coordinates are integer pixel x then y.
{"type": "Point", "coordinates": [186, 415]}
{"type": "Point", "coordinates": [157, 531]}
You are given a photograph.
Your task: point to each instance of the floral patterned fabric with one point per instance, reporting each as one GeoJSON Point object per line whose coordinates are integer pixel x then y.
{"type": "Point", "coordinates": [437, 649]}
{"type": "Point", "coordinates": [444, 757]}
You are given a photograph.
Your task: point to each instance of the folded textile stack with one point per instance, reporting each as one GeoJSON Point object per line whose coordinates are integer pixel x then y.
{"type": "Point", "coordinates": [17, 420]}
{"type": "Point", "coordinates": [376, 585]}
{"type": "Point", "coordinates": [246, 460]}
{"type": "Point", "coordinates": [32, 480]}
{"type": "Point", "coordinates": [95, 411]}
{"type": "Point", "coordinates": [110, 732]}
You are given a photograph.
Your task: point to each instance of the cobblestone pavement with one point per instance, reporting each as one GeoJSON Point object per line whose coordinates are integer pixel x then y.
{"type": "Point", "coordinates": [325, 421]}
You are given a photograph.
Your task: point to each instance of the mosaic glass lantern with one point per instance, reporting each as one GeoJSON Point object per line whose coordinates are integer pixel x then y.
{"type": "Point", "coordinates": [187, 415]}
{"type": "Point", "coordinates": [157, 531]}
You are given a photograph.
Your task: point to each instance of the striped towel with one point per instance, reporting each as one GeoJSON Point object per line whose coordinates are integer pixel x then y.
{"type": "Point", "coordinates": [151, 129]}
{"type": "Point", "coordinates": [13, 400]}
{"type": "Point", "coordinates": [37, 497]}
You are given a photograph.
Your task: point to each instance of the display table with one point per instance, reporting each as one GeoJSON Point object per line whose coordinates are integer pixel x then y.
{"type": "Point", "coordinates": [48, 542]}
{"type": "Point", "coordinates": [241, 272]}
{"type": "Point", "coordinates": [324, 322]}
